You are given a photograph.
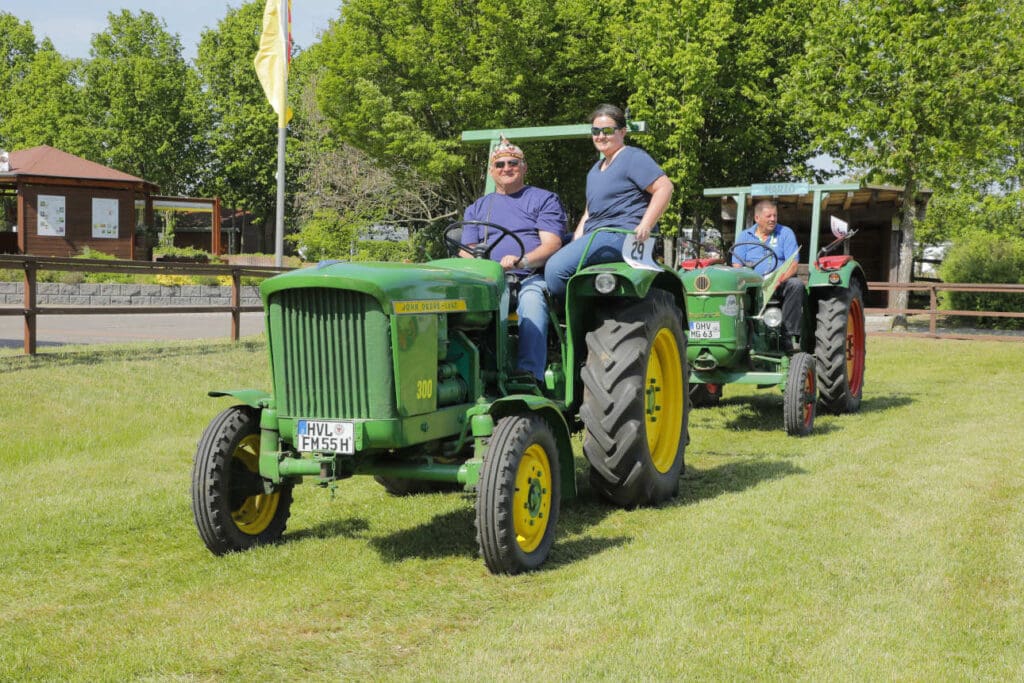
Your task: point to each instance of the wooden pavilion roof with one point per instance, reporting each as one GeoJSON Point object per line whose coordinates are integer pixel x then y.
{"type": "Point", "coordinates": [53, 166]}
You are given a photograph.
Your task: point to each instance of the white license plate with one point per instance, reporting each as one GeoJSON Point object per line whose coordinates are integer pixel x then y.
{"type": "Point", "coordinates": [325, 436]}
{"type": "Point", "coordinates": [705, 329]}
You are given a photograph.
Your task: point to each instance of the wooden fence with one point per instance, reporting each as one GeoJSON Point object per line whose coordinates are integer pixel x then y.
{"type": "Point", "coordinates": [934, 312]}
{"type": "Point", "coordinates": [31, 265]}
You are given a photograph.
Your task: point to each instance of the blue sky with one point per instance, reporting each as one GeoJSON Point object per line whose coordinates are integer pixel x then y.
{"type": "Point", "coordinates": [70, 24]}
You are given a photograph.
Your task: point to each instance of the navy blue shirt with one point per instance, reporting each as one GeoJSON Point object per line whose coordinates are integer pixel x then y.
{"type": "Point", "coordinates": [617, 197]}
{"type": "Point", "coordinates": [525, 213]}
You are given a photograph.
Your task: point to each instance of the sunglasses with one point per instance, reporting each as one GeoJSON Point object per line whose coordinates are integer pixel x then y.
{"type": "Point", "coordinates": [607, 130]}
{"type": "Point", "coordinates": [513, 163]}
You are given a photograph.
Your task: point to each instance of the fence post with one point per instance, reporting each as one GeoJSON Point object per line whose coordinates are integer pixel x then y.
{"type": "Point", "coordinates": [236, 301]}
{"type": "Point", "coordinates": [30, 307]}
{"type": "Point", "coordinates": [933, 308]}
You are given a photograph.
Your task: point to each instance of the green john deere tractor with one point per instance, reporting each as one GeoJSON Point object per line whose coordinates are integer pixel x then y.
{"type": "Point", "coordinates": [405, 372]}
{"type": "Point", "coordinates": [735, 333]}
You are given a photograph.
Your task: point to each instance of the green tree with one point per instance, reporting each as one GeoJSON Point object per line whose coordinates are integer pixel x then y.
{"type": "Point", "coordinates": [403, 78]}
{"type": "Point", "coordinates": [143, 98]}
{"type": "Point", "coordinates": [243, 136]}
{"type": "Point", "coordinates": [45, 106]}
{"type": "Point", "coordinates": [17, 49]}
{"type": "Point", "coordinates": [705, 74]}
{"type": "Point", "coordinates": [909, 92]}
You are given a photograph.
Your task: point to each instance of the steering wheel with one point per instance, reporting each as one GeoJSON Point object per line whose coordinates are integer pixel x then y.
{"type": "Point", "coordinates": [758, 258]}
{"type": "Point", "coordinates": [483, 249]}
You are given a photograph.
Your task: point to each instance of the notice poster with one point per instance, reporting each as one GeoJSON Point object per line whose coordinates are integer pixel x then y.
{"type": "Point", "coordinates": [52, 216]}
{"type": "Point", "coordinates": [104, 218]}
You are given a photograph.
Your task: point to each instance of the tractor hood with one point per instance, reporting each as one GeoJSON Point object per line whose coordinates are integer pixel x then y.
{"type": "Point", "coordinates": [719, 279]}
{"type": "Point", "coordinates": [445, 286]}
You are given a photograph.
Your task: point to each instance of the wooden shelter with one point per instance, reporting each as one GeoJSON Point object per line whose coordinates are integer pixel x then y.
{"type": "Point", "coordinates": [65, 203]}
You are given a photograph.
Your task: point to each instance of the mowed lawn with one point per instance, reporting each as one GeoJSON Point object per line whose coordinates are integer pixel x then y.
{"type": "Point", "coordinates": [887, 545]}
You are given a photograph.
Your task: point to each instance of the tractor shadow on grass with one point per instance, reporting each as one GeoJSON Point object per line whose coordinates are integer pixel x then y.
{"type": "Point", "coordinates": [761, 413]}
{"type": "Point", "coordinates": [355, 527]}
{"type": "Point", "coordinates": [734, 477]}
{"type": "Point", "coordinates": [453, 534]}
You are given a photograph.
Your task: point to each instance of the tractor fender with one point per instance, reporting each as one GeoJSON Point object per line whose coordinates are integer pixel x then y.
{"type": "Point", "coordinates": [254, 398]}
{"type": "Point", "coordinates": [548, 410]}
{"type": "Point", "coordinates": [837, 277]}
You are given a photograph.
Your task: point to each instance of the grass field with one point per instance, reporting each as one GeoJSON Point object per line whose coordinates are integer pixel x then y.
{"type": "Point", "coordinates": [887, 545]}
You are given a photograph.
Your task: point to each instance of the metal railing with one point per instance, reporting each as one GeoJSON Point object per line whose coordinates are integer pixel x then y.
{"type": "Point", "coordinates": [31, 265]}
{"type": "Point", "coordinates": [934, 312]}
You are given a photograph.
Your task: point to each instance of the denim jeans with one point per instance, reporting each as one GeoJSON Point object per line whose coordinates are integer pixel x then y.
{"type": "Point", "coordinates": [533, 326]}
{"type": "Point", "coordinates": [606, 247]}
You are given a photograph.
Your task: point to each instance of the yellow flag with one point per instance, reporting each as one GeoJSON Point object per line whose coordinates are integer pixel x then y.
{"type": "Point", "coordinates": [272, 59]}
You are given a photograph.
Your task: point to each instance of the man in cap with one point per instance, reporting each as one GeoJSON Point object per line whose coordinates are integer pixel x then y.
{"type": "Point", "coordinates": [537, 218]}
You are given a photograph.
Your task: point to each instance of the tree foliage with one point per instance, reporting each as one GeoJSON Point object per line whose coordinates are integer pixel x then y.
{"type": "Point", "coordinates": [45, 105]}
{"type": "Point", "coordinates": [142, 98]}
{"type": "Point", "coordinates": [404, 78]}
{"type": "Point", "coordinates": [910, 92]}
{"type": "Point", "coordinates": [242, 135]}
{"type": "Point", "coordinates": [706, 75]}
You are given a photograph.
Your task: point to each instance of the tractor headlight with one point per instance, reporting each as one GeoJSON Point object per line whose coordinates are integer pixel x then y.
{"type": "Point", "coordinates": [773, 317]}
{"type": "Point", "coordinates": [604, 283]}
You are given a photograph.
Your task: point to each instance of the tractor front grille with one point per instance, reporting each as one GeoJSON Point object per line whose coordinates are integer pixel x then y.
{"type": "Point", "coordinates": [331, 355]}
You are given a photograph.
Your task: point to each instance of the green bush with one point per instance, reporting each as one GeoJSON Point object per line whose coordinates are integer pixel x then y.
{"type": "Point", "coordinates": [328, 235]}
{"type": "Point", "coordinates": [97, 278]}
{"type": "Point", "coordinates": [985, 258]}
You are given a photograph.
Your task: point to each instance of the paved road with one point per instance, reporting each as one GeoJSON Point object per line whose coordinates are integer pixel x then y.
{"type": "Point", "coordinates": [58, 330]}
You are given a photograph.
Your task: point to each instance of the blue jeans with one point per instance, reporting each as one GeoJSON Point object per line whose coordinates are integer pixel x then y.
{"type": "Point", "coordinates": [606, 247]}
{"type": "Point", "coordinates": [533, 327]}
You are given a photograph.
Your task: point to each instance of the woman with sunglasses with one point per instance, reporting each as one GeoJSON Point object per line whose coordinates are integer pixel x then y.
{"type": "Point", "coordinates": [625, 189]}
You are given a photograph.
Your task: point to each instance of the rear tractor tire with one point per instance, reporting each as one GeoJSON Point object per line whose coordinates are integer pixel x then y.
{"type": "Point", "coordinates": [800, 396]}
{"type": "Point", "coordinates": [635, 402]}
{"type": "Point", "coordinates": [840, 351]}
{"type": "Point", "coordinates": [230, 504]}
{"type": "Point", "coordinates": [518, 495]}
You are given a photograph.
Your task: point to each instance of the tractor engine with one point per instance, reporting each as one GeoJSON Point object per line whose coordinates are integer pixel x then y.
{"type": "Point", "coordinates": [720, 302]}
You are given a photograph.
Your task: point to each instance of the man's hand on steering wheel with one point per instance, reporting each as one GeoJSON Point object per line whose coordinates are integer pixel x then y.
{"type": "Point", "coordinates": [766, 254]}
{"type": "Point", "coordinates": [483, 249]}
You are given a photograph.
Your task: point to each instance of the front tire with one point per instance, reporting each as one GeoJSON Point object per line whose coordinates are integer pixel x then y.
{"type": "Point", "coordinates": [635, 407]}
{"type": "Point", "coordinates": [840, 351]}
{"type": "Point", "coordinates": [800, 396]}
{"type": "Point", "coordinates": [518, 495]}
{"type": "Point", "coordinates": [231, 507]}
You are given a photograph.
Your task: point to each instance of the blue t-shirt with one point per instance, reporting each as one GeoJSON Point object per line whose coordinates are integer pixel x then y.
{"type": "Point", "coordinates": [525, 213]}
{"type": "Point", "coordinates": [617, 197]}
{"type": "Point", "coordinates": [782, 241]}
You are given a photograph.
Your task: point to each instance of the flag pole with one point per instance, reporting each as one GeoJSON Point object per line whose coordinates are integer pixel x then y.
{"type": "Point", "coordinates": [271, 64]}
{"type": "Point", "coordinates": [282, 134]}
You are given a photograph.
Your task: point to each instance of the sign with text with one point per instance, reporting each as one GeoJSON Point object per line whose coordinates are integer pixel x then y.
{"type": "Point", "coordinates": [104, 218]}
{"type": "Point", "coordinates": [52, 215]}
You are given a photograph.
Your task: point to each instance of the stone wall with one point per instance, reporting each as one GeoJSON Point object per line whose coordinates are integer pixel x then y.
{"type": "Point", "coordinates": [58, 294]}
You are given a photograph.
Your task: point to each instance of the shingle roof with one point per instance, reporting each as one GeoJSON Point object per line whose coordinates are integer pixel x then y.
{"type": "Point", "coordinates": [51, 162]}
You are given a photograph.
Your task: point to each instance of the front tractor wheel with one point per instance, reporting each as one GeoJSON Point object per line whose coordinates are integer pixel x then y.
{"type": "Point", "coordinates": [231, 507]}
{"type": "Point", "coordinates": [800, 396]}
{"type": "Point", "coordinates": [840, 351]}
{"type": "Point", "coordinates": [518, 495]}
{"type": "Point", "coordinates": [635, 402]}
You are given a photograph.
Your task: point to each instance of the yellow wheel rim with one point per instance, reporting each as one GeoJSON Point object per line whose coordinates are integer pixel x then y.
{"type": "Point", "coordinates": [254, 513]}
{"type": "Point", "coordinates": [664, 400]}
{"type": "Point", "coordinates": [531, 503]}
